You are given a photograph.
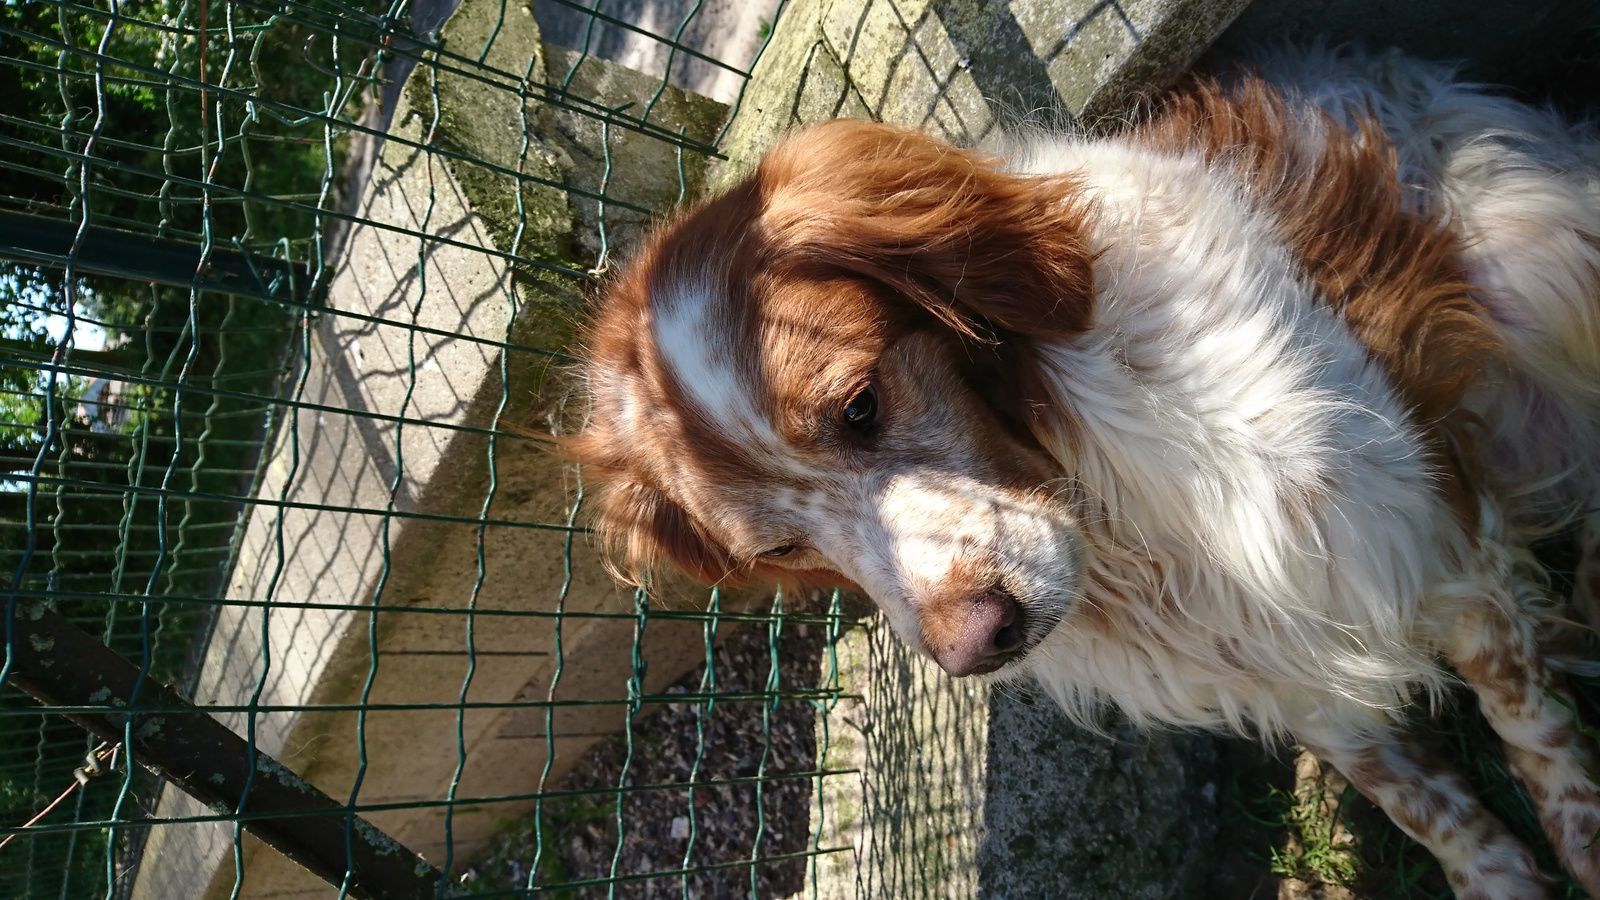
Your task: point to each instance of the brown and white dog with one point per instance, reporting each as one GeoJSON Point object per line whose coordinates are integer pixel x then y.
{"type": "Point", "coordinates": [1237, 420]}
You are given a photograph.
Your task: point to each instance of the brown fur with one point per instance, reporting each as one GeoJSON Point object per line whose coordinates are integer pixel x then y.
{"type": "Point", "coordinates": [1394, 273]}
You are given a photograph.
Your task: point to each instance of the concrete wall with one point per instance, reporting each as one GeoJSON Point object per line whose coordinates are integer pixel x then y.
{"type": "Point", "coordinates": [965, 69]}
{"type": "Point", "coordinates": [729, 31]}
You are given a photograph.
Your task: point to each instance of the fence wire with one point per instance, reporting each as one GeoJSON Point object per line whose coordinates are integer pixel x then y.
{"type": "Point", "coordinates": [189, 191]}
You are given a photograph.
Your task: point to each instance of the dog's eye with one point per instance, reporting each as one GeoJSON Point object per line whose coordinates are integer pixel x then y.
{"type": "Point", "coordinates": [861, 409]}
{"type": "Point", "coordinates": [780, 552]}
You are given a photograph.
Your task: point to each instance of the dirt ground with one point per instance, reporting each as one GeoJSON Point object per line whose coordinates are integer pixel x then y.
{"type": "Point", "coordinates": [742, 740]}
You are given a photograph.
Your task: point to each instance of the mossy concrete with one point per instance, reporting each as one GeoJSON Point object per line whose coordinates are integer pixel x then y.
{"type": "Point", "coordinates": [963, 789]}
{"type": "Point", "coordinates": [911, 817]}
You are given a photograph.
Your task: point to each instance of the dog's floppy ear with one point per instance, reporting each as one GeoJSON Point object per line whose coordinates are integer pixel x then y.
{"type": "Point", "coordinates": [644, 530]}
{"type": "Point", "coordinates": [640, 527]}
{"type": "Point", "coordinates": [988, 252]}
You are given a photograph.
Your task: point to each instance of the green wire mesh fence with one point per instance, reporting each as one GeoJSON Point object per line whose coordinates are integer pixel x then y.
{"type": "Point", "coordinates": [286, 285]}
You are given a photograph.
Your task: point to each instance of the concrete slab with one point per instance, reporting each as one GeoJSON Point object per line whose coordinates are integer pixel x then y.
{"type": "Point", "coordinates": [964, 69]}
{"type": "Point", "coordinates": [728, 31]}
{"type": "Point", "coordinates": [911, 820]}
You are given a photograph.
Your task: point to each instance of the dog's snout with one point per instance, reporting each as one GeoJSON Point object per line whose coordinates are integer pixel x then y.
{"type": "Point", "coordinates": [988, 632]}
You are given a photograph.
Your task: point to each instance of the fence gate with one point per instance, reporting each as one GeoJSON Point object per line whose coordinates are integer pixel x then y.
{"type": "Point", "coordinates": [288, 570]}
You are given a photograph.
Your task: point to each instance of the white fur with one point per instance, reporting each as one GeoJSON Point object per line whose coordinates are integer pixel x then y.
{"type": "Point", "coordinates": [1232, 432]}
{"type": "Point", "coordinates": [705, 370]}
{"type": "Point", "coordinates": [1235, 462]}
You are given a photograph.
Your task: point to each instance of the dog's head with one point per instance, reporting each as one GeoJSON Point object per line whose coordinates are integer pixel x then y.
{"type": "Point", "coordinates": [826, 376]}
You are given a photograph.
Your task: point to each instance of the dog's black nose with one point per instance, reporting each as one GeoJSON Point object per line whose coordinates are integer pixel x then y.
{"type": "Point", "coordinates": [989, 636]}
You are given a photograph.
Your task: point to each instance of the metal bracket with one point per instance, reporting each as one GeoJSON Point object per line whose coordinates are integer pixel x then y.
{"type": "Point", "coordinates": [126, 254]}
{"type": "Point", "coordinates": [61, 665]}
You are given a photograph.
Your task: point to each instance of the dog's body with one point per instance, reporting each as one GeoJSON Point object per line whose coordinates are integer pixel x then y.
{"type": "Point", "coordinates": [1239, 419]}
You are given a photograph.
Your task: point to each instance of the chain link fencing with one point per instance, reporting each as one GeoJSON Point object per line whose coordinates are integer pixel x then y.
{"type": "Point", "coordinates": [287, 286]}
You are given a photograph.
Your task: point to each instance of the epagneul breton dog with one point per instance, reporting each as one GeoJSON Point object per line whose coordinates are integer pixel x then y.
{"type": "Point", "coordinates": [1238, 420]}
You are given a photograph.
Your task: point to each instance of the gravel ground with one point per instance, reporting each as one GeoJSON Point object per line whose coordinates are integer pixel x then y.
{"type": "Point", "coordinates": [582, 832]}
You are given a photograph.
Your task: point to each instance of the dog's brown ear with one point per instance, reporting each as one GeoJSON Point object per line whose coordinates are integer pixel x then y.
{"type": "Point", "coordinates": [643, 530]}
{"type": "Point", "coordinates": [988, 252]}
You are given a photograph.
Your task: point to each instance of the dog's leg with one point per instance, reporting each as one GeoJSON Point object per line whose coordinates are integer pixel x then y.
{"type": "Point", "coordinates": [1498, 655]}
{"type": "Point", "coordinates": [1435, 806]}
